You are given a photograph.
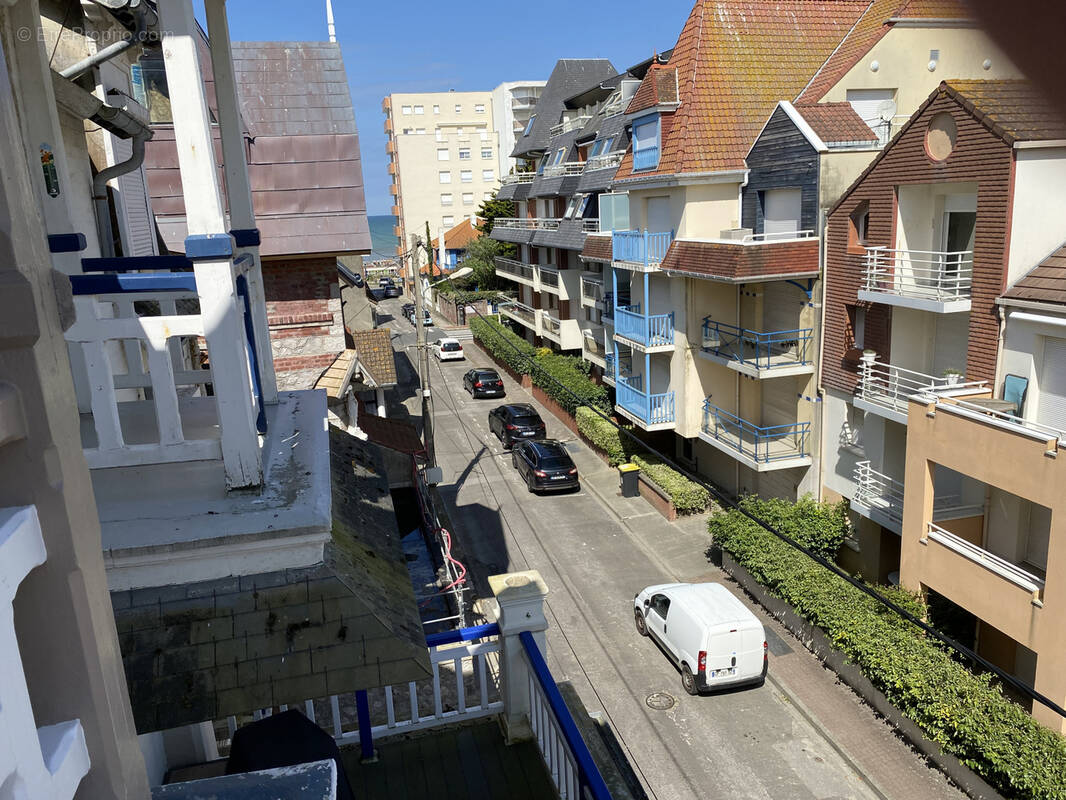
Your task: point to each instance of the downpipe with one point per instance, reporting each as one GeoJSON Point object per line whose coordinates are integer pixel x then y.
{"type": "Point", "coordinates": [103, 213]}
{"type": "Point", "coordinates": [144, 18]}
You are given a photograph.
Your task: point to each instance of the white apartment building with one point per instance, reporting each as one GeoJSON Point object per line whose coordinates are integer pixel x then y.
{"type": "Point", "coordinates": [513, 103]}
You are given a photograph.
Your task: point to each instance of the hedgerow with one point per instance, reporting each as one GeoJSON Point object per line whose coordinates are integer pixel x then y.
{"type": "Point", "coordinates": [965, 713]}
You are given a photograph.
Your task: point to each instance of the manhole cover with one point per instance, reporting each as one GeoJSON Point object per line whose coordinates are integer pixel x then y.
{"type": "Point", "coordinates": [661, 701]}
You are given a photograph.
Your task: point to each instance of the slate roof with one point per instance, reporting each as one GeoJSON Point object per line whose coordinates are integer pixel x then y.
{"type": "Point", "coordinates": [391, 433]}
{"type": "Point", "coordinates": [569, 76]}
{"type": "Point", "coordinates": [658, 87]}
{"type": "Point", "coordinates": [1016, 110]}
{"type": "Point", "coordinates": [736, 262]}
{"type": "Point", "coordinates": [374, 356]}
{"type": "Point", "coordinates": [303, 159]}
{"type": "Point", "coordinates": [202, 651]}
{"type": "Point", "coordinates": [1045, 283]}
{"type": "Point", "coordinates": [735, 59]}
{"type": "Point", "coordinates": [836, 123]}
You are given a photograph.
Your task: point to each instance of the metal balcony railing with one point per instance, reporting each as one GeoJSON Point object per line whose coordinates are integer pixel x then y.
{"type": "Point", "coordinates": [590, 225]}
{"type": "Point", "coordinates": [591, 290]}
{"type": "Point", "coordinates": [527, 223]}
{"type": "Point", "coordinates": [656, 330]}
{"type": "Point", "coordinates": [549, 277]}
{"type": "Point", "coordinates": [990, 561]}
{"type": "Point", "coordinates": [919, 274]}
{"type": "Point", "coordinates": [568, 125]}
{"type": "Point", "coordinates": [521, 312]}
{"type": "Point", "coordinates": [763, 444]}
{"type": "Point", "coordinates": [550, 325]}
{"type": "Point", "coordinates": [518, 177]}
{"type": "Point", "coordinates": [760, 350]}
{"type": "Point", "coordinates": [890, 387]}
{"type": "Point", "coordinates": [1007, 421]}
{"type": "Point", "coordinates": [609, 371]}
{"type": "Point", "coordinates": [518, 269]}
{"type": "Point", "coordinates": [651, 409]}
{"type": "Point", "coordinates": [876, 490]}
{"type": "Point", "coordinates": [604, 161]}
{"type": "Point", "coordinates": [569, 168]}
{"type": "Point", "coordinates": [640, 247]}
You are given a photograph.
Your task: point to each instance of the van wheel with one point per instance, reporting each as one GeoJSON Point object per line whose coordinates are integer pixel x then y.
{"type": "Point", "coordinates": [688, 680]}
{"type": "Point", "coordinates": [638, 619]}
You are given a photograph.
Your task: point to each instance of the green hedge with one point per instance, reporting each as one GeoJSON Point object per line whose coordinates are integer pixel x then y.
{"type": "Point", "coordinates": [687, 496]}
{"type": "Point", "coordinates": [966, 714]}
{"type": "Point", "coordinates": [502, 344]}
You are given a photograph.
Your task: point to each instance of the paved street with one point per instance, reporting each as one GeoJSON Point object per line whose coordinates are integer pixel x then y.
{"type": "Point", "coordinates": [595, 551]}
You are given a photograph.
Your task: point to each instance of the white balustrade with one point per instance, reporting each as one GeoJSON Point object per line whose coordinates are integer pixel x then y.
{"type": "Point", "coordinates": [972, 552]}
{"type": "Point", "coordinates": [935, 275]}
{"type": "Point", "coordinates": [890, 387]}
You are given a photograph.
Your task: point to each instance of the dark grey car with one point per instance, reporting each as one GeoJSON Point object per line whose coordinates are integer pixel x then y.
{"type": "Point", "coordinates": [545, 466]}
{"type": "Point", "coordinates": [516, 422]}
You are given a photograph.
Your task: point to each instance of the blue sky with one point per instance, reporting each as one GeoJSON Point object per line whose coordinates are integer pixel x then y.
{"type": "Point", "coordinates": [417, 45]}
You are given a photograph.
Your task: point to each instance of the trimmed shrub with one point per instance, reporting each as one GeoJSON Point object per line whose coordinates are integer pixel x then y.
{"type": "Point", "coordinates": [966, 714]}
{"type": "Point", "coordinates": [503, 344]}
{"type": "Point", "coordinates": [687, 496]}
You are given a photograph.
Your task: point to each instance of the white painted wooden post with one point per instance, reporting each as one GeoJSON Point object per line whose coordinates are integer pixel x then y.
{"type": "Point", "coordinates": [520, 597]}
{"type": "Point", "coordinates": [35, 763]}
{"type": "Point", "coordinates": [238, 184]}
{"type": "Point", "coordinates": [210, 247]}
{"type": "Point", "coordinates": [379, 396]}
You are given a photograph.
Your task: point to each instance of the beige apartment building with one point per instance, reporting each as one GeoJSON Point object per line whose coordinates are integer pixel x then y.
{"type": "Point", "coordinates": [443, 158]}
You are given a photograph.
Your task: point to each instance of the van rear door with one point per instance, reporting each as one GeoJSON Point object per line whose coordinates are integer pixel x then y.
{"type": "Point", "coordinates": [725, 646]}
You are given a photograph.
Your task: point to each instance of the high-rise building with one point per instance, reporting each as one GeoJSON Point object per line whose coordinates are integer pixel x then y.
{"type": "Point", "coordinates": [513, 103]}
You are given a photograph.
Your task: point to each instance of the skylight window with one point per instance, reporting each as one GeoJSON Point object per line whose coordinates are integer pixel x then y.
{"type": "Point", "coordinates": [529, 125]}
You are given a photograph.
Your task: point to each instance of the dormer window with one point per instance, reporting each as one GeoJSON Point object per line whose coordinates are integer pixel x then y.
{"type": "Point", "coordinates": [646, 143]}
{"type": "Point", "coordinates": [858, 228]}
{"type": "Point", "coordinates": [559, 154]}
{"type": "Point", "coordinates": [529, 125]}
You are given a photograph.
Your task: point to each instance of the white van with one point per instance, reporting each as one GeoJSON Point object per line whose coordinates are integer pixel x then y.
{"type": "Point", "coordinates": [712, 637]}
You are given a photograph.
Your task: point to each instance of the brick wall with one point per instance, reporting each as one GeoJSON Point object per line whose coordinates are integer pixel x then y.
{"type": "Point", "coordinates": [979, 157]}
{"type": "Point", "coordinates": [304, 315]}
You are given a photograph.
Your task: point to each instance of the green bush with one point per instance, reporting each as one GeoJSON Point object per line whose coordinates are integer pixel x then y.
{"type": "Point", "coordinates": [502, 343]}
{"type": "Point", "coordinates": [966, 714]}
{"type": "Point", "coordinates": [687, 496]}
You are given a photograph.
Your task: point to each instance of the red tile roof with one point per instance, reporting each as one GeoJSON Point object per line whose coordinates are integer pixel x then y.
{"type": "Point", "coordinates": [459, 236]}
{"type": "Point", "coordinates": [394, 434]}
{"type": "Point", "coordinates": [597, 248]}
{"type": "Point", "coordinates": [836, 122]}
{"type": "Point", "coordinates": [935, 9]}
{"type": "Point", "coordinates": [735, 59]}
{"type": "Point", "coordinates": [1045, 283]}
{"type": "Point", "coordinates": [659, 86]}
{"type": "Point", "coordinates": [733, 261]}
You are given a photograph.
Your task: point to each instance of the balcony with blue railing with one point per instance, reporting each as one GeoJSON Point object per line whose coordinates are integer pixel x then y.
{"type": "Point", "coordinates": [761, 448]}
{"type": "Point", "coordinates": [648, 332]}
{"type": "Point", "coordinates": [640, 251]}
{"type": "Point", "coordinates": [649, 411]}
{"type": "Point", "coordinates": [646, 158]}
{"type": "Point", "coordinates": [759, 354]}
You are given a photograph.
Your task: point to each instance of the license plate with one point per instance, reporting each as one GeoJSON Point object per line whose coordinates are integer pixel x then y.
{"type": "Point", "coordinates": [721, 673]}
{"type": "Point", "coordinates": [559, 477]}
{"type": "Point", "coordinates": [526, 433]}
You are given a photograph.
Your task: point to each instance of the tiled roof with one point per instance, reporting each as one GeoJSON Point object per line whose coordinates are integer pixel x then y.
{"type": "Point", "coordinates": [836, 122]}
{"type": "Point", "coordinates": [394, 434]}
{"type": "Point", "coordinates": [459, 236]}
{"type": "Point", "coordinates": [335, 379]}
{"type": "Point", "coordinates": [735, 59]}
{"type": "Point", "coordinates": [659, 86]}
{"type": "Point", "coordinates": [1045, 283]}
{"type": "Point", "coordinates": [935, 9]}
{"type": "Point", "coordinates": [373, 352]}
{"type": "Point", "coordinates": [733, 261]}
{"type": "Point", "coordinates": [597, 248]}
{"type": "Point", "coordinates": [1014, 109]}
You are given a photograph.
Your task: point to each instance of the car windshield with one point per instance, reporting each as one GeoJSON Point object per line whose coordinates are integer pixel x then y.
{"type": "Point", "coordinates": [529, 420]}
{"type": "Point", "coordinates": [451, 347]}
{"type": "Point", "coordinates": [487, 376]}
{"type": "Point", "coordinates": [555, 462]}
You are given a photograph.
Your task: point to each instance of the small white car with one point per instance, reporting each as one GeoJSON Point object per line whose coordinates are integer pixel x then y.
{"type": "Point", "coordinates": [714, 640]}
{"type": "Point", "coordinates": [448, 349]}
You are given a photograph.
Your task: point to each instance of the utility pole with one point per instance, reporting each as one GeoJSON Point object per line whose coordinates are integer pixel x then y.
{"type": "Point", "coordinates": [423, 351]}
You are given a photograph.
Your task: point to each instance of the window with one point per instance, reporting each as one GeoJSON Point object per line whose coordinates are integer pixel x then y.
{"type": "Point", "coordinates": [486, 195]}
{"type": "Point", "coordinates": [459, 131]}
{"type": "Point", "coordinates": [445, 177]}
{"type": "Point", "coordinates": [608, 143]}
{"type": "Point", "coordinates": [479, 108]}
{"type": "Point", "coordinates": [578, 200]}
{"type": "Point", "coordinates": [859, 228]}
{"type": "Point", "coordinates": [483, 135]}
{"type": "Point", "coordinates": [436, 109]}
{"type": "Point", "coordinates": [440, 134]}
{"type": "Point", "coordinates": [646, 143]}
{"type": "Point", "coordinates": [486, 152]}
{"type": "Point", "coordinates": [466, 176]}
{"type": "Point", "coordinates": [597, 146]}
{"type": "Point", "coordinates": [446, 198]}
{"type": "Point", "coordinates": [408, 130]}
{"type": "Point", "coordinates": [464, 153]}
{"type": "Point", "coordinates": [458, 108]}
{"type": "Point", "coordinates": [782, 209]}
{"type": "Point", "coordinates": [488, 175]}
{"type": "Point", "coordinates": [660, 604]}
{"type": "Point", "coordinates": [447, 222]}
{"type": "Point", "coordinates": [529, 125]}
{"type": "Point", "coordinates": [468, 198]}
{"type": "Point", "coordinates": [543, 163]}
{"type": "Point", "coordinates": [559, 154]}
{"type": "Point", "coordinates": [420, 131]}
{"type": "Point", "coordinates": [420, 109]}
{"type": "Point", "coordinates": [405, 109]}
{"type": "Point", "coordinates": [442, 154]}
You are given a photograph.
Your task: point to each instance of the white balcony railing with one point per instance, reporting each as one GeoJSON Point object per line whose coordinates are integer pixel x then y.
{"type": "Point", "coordinates": [518, 177]}
{"type": "Point", "coordinates": [516, 269]}
{"type": "Point", "coordinates": [527, 223]}
{"type": "Point", "coordinates": [888, 387]}
{"type": "Point", "coordinates": [604, 161]}
{"type": "Point", "coordinates": [878, 492]}
{"type": "Point", "coordinates": [520, 312]}
{"type": "Point", "coordinates": [925, 275]}
{"type": "Point", "coordinates": [551, 324]}
{"type": "Point", "coordinates": [591, 225]}
{"type": "Point", "coordinates": [569, 168]}
{"type": "Point", "coordinates": [568, 125]}
{"type": "Point", "coordinates": [1003, 419]}
{"type": "Point", "coordinates": [591, 289]}
{"type": "Point", "coordinates": [1000, 566]}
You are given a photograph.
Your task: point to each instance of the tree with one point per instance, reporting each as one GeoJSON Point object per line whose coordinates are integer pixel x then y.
{"type": "Point", "coordinates": [481, 258]}
{"type": "Point", "coordinates": [491, 209]}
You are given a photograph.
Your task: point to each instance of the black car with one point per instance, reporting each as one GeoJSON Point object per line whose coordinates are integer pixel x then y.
{"type": "Point", "coordinates": [516, 422]}
{"type": "Point", "coordinates": [483, 383]}
{"type": "Point", "coordinates": [393, 291]}
{"type": "Point", "coordinates": [358, 281]}
{"type": "Point", "coordinates": [375, 294]}
{"type": "Point", "coordinates": [545, 466]}
{"type": "Point", "coordinates": [408, 309]}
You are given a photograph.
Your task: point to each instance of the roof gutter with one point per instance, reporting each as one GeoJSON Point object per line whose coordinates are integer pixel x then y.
{"type": "Point", "coordinates": [143, 16]}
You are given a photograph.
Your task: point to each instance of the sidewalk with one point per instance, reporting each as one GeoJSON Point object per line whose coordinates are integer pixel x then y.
{"type": "Point", "coordinates": [868, 743]}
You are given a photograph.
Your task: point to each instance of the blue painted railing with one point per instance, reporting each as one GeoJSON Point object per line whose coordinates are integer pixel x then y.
{"type": "Point", "coordinates": [652, 409]}
{"type": "Point", "coordinates": [470, 634]}
{"type": "Point", "coordinates": [640, 247]}
{"type": "Point", "coordinates": [646, 158]}
{"type": "Point", "coordinates": [761, 444]}
{"type": "Point", "coordinates": [651, 331]}
{"type": "Point", "coordinates": [590, 783]}
{"type": "Point", "coordinates": [761, 350]}
{"type": "Point", "coordinates": [609, 370]}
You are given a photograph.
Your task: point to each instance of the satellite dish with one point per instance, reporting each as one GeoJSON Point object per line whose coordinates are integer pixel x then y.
{"type": "Point", "coordinates": [886, 110]}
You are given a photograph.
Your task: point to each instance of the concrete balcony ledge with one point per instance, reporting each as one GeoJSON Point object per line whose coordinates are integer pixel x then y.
{"type": "Point", "coordinates": [172, 523]}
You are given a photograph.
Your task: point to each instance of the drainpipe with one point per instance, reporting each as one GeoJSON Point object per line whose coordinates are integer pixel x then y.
{"type": "Point", "coordinates": [103, 213]}
{"type": "Point", "coordinates": [144, 17]}
{"type": "Point", "coordinates": [1001, 316]}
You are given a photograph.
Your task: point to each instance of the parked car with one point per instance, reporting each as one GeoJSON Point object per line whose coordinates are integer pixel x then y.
{"type": "Point", "coordinates": [544, 465]}
{"type": "Point", "coordinates": [448, 349]}
{"type": "Point", "coordinates": [515, 422]}
{"type": "Point", "coordinates": [708, 633]}
{"type": "Point", "coordinates": [483, 383]}
{"type": "Point", "coordinates": [427, 318]}
{"type": "Point", "coordinates": [392, 290]}
{"type": "Point", "coordinates": [384, 281]}
{"type": "Point", "coordinates": [358, 281]}
{"type": "Point", "coordinates": [375, 294]}
{"type": "Point", "coordinates": [408, 309]}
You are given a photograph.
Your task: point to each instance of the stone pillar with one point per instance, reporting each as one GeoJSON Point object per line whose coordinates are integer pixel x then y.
{"type": "Point", "coordinates": [520, 597]}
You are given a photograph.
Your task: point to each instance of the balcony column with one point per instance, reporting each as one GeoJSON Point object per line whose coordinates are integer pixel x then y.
{"type": "Point", "coordinates": [210, 247]}
{"type": "Point", "coordinates": [239, 187]}
{"type": "Point", "coordinates": [520, 597]}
